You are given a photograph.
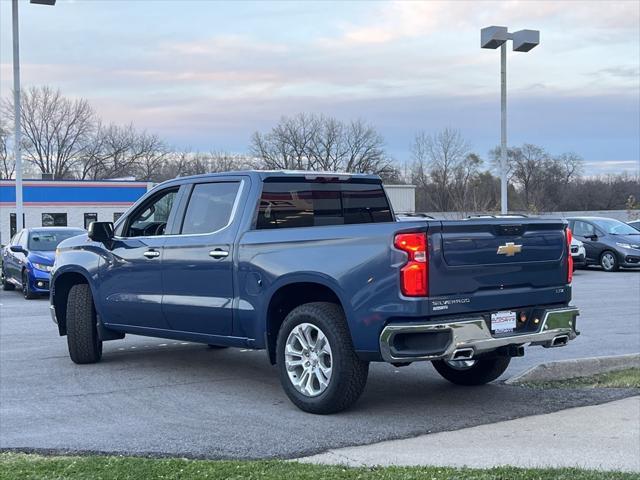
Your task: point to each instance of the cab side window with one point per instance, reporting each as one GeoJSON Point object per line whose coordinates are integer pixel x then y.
{"type": "Point", "coordinates": [210, 207]}
{"type": "Point", "coordinates": [151, 218]}
{"type": "Point", "coordinates": [583, 229]}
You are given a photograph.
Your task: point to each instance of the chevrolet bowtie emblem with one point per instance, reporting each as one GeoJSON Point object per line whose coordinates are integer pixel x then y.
{"type": "Point", "coordinates": [509, 249]}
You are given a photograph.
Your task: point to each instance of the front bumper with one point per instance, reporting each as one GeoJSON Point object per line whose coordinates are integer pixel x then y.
{"type": "Point", "coordinates": [630, 261]}
{"type": "Point", "coordinates": [579, 260]}
{"type": "Point", "coordinates": [39, 280]}
{"type": "Point", "coordinates": [469, 337]}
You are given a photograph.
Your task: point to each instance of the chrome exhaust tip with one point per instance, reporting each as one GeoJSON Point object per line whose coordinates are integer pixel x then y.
{"type": "Point", "coordinates": [462, 354]}
{"type": "Point", "coordinates": [560, 341]}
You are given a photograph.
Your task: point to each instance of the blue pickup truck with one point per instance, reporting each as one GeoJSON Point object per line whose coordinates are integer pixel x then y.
{"type": "Point", "coordinates": [315, 269]}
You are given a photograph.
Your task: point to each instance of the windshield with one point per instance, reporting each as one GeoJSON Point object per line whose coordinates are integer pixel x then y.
{"type": "Point", "coordinates": [616, 227]}
{"type": "Point", "coordinates": [48, 240]}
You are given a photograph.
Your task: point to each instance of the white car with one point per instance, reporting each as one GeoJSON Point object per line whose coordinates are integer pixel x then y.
{"type": "Point", "coordinates": [578, 253]}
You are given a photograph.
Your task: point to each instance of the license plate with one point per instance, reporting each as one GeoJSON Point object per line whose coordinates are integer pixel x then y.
{"type": "Point", "coordinates": [502, 322]}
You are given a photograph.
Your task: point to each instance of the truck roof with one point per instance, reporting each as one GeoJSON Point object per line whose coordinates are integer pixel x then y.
{"type": "Point", "coordinates": [263, 174]}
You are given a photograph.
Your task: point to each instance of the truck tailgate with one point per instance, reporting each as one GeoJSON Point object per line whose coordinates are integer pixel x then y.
{"type": "Point", "coordinates": [479, 256]}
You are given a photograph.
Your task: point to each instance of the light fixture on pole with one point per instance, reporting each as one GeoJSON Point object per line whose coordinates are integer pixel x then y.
{"type": "Point", "coordinates": [523, 41]}
{"type": "Point", "coordinates": [16, 105]}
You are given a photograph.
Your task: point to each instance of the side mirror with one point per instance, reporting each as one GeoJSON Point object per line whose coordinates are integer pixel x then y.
{"type": "Point", "coordinates": [101, 232]}
{"type": "Point", "coordinates": [17, 249]}
{"type": "Point", "coordinates": [593, 237]}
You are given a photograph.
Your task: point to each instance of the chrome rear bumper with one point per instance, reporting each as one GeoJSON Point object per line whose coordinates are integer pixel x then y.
{"type": "Point", "coordinates": [471, 337]}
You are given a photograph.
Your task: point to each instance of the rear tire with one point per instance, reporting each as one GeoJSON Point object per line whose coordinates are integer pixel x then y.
{"type": "Point", "coordinates": [6, 286]}
{"type": "Point", "coordinates": [26, 289]}
{"type": "Point", "coordinates": [82, 333]}
{"type": "Point", "coordinates": [609, 261]}
{"type": "Point", "coordinates": [348, 373]}
{"type": "Point", "coordinates": [483, 370]}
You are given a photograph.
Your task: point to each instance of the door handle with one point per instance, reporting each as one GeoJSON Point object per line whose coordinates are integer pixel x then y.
{"type": "Point", "coordinates": [218, 253]}
{"type": "Point", "coordinates": [151, 254]}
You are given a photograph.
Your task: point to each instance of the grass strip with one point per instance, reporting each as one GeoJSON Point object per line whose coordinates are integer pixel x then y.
{"type": "Point", "coordinates": [14, 466]}
{"type": "Point", "coordinates": [628, 378]}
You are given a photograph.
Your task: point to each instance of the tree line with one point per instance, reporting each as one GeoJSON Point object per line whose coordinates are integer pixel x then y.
{"type": "Point", "coordinates": [66, 138]}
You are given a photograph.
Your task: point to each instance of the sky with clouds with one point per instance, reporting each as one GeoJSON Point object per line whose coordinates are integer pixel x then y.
{"type": "Point", "coordinates": [207, 74]}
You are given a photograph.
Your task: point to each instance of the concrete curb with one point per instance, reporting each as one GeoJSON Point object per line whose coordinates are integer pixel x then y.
{"type": "Point", "coordinates": [579, 367]}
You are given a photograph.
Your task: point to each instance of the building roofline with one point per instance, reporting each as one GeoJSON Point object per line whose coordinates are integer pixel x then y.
{"type": "Point", "coordinates": [45, 181]}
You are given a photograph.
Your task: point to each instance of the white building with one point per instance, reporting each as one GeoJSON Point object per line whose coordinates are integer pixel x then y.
{"type": "Point", "coordinates": [402, 198]}
{"type": "Point", "coordinates": [66, 202]}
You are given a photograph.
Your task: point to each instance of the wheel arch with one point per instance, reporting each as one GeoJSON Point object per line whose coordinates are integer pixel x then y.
{"type": "Point", "coordinates": [60, 289]}
{"type": "Point", "coordinates": [292, 293]}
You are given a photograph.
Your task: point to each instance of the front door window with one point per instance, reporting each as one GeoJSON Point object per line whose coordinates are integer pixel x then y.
{"type": "Point", "coordinates": [151, 218]}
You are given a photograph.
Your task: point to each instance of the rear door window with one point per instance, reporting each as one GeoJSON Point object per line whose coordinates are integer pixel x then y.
{"type": "Point", "coordinates": [583, 229]}
{"type": "Point", "coordinates": [289, 204]}
{"type": "Point", "coordinates": [210, 207]}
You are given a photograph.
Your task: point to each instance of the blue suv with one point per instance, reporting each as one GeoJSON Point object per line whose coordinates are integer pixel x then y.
{"type": "Point", "coordinates": [28, 259]}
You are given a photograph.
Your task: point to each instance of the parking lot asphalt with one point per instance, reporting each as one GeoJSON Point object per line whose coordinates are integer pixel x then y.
{"type": "Point", "coordinates": [161, 397]}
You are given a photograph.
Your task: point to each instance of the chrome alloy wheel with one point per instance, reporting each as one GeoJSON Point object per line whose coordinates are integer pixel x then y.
{"type": "Point", "coordinates": [608, 261]}
{"type": "Point", "coordinates": [308, 359]}
{"type": "Point", "coordinates": [461, 364]}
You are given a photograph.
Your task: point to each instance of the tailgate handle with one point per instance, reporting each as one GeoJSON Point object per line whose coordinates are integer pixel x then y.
{"type": "Point", "coordinates": [510, 229]}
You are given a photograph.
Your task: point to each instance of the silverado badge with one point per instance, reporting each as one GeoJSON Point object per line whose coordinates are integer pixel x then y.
{"type": "Point", "coordinates": [509, 249]}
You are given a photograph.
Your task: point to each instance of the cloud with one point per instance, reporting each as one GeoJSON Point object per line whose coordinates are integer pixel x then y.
{"type": "Point", "coordinates": [612, 166]}
{"type": "Point", "coordinates": [621, 71]}
{"type": "Point", "coordinates": [402, 66]}
{"type": "Point", "coordinates": [397, 20]}
{"type": "Point", "coordinates": [225, 45]}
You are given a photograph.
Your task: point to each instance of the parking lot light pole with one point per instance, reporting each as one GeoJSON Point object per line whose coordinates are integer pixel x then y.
{"type": "Point", "coordinates": [17, 152]}
{"type": "Point", "coordinates": [523, 41]}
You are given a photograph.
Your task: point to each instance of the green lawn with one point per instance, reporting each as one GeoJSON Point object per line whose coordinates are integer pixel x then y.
{"type": "Point", "coordinates": [629, 378]}
{"type": "Point", "coordinates": [26, 467]}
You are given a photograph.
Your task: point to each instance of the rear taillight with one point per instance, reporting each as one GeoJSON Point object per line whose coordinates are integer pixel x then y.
{"type": "Point", "coordinates": [569, 257]}
{"type": "Point", "coordinates": [414, 275]}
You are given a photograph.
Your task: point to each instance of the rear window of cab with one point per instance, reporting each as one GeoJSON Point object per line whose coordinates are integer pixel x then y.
{"type": "Point", "coordinates": [291, 204]}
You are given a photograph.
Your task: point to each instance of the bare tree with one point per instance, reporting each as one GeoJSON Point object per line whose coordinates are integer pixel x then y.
{"type": "Point", "coordinates": [529, 164]}
{"type": "Point", "coordinates": [441, 156]}
{"type": "Point", "coordinates": [184, 163]}
{"type": "Point", "coordinates": [484, 193]}
{"type": "Point", "coordinates": [571, 165]}
{"type": "Point", "coordinates": [463, 177]}
{"type": "Point", "coordinates": [313, 142]}
{"type": "Point", "coordinates": [121, 151]}
{"type": "Point", "coordinates": [55, 129]}
{"type": "Point", "coordinates": [7, 163]}
{"type": "Point", "coordinates": [152, 153]}
{"type": "Point", "coordinates": [288, 144]}
{"type": "Point", "coordinates": [541, 178]}
{"type": "Point", "coordinates": [365, 150]}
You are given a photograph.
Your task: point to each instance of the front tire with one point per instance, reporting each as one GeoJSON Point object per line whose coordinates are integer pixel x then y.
{"type": "Point", "coordinates": [26, 289]}
{"type": "Point", "coordinates": [472, 372]}
{"type": "Point", "coordinates": [319, 369]}
{"type": "Point", "coordinates": [609, 261]}
{"type": "Point", "coordinates": [82, 332]}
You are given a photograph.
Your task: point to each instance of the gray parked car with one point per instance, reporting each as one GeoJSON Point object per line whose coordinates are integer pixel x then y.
{"type": "Point", "coordinates": [608, 242]}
